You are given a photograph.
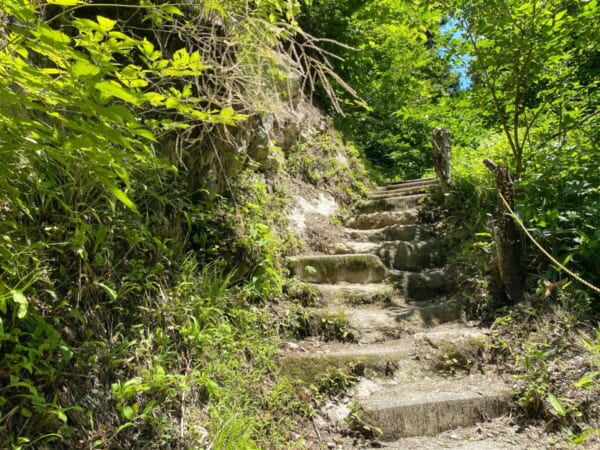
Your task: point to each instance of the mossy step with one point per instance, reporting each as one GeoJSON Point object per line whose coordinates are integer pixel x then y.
{"type": "Point", "coordinates": [412, 232]}
{"type": "Point", "coordinates": [401, 255]}
{"type": "Point", "coordinates": [382, 219]}
{"type": "Point", "coordinates": [395, 203]}
{"type": "Point", "coordinates": [310, 365]}
{"type": "Point", "coordinates": [370, 324]}
{"type": "Point", "coordinates": [401, 191]}
{"type": "Point", "coordinates": [353, 246]}
{"type": "Point", "coordinates": [420, 286]}
{"type": "Point", "coordinates": [483, 436]}
{"type": "Point", "coordinates": [427, 408]}
{"type": "Point", "coordinates": [355, 268]}
{"type": "Point", "coordinates": [409, 183]}
{"type": "Point", "coordinates": [413, 256]}
{"type": "Point", "coordinates": [307, 360]}
{"type": "Point", "coordinates": [355, 294]}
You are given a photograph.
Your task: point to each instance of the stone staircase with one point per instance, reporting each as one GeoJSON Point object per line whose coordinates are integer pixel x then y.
{"type": "Point", "coordinates": [412, 346]}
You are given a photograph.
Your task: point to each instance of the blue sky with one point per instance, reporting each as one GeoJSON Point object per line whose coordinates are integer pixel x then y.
{"type": "Point", "coordinates": [460, 63]}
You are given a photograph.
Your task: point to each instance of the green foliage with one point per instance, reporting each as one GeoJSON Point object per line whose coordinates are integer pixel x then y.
{"type": "Point", "coordinates": [556, 362]}
{"type": "Point", "coordinates": [560, 201]}
{"type": "Point", "coordinates": [525, 59]}
{"type": "Point", "coordinates": [396, 68]}
{"type": "Point", "coordinates": [324, 161]}
{"type": "Point", "coordinates": [108, 184]}
{"type": "Point", "coordinates": [532, 66]}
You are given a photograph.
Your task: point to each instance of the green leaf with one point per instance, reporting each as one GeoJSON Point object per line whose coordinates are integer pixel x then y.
{"type": "Point", "coordinates": [100, 236]}
{"type": "Point", "coordinates": [587, 379]}
{"type": "Point", "coordinates": [170, 9]}
{"type": "Point", "coordinates": [112, 294]}
{"type": "Point", "coordinates": [556, 404]}
{"type": "Point", "coordinates": [22, 302]}
{"type": "Point", "coordinates": [61, 415]}
{"type": "Point", "coordinates": [128, 412]}
{"type": "Point", "coordinates": [149, 407]}
{"type": "Point", "coordinates": [85, 69]}
{"type": "Point", "coordinates": [143, 132]}
{"type": "Point", "coordinates": [105, 23]}
{"type": "Point", "coordinates": [52, 36]}
{"type": "Point", "coordinates": [114, 89]}
{"type": "Point", "coordinates": [577, 440]}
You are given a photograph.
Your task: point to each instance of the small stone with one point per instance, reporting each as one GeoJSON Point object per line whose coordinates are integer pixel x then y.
{"type": "Point", "coordinates": [454, 436]}
{"type": "Point", "coordinates": [366, 388]}
{"type": "Point", "coordinates": [337, 413]}
{"type": "Point", "coordinates": [331, 445]}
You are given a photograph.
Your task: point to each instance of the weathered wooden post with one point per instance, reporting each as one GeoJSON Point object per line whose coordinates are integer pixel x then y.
{"type": "Point", "coordinates": [508, 242]}
{"type": "Point", "coordinates": [441, 157]}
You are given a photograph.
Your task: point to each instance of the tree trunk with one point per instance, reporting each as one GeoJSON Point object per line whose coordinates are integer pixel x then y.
{"type": "Point", "coordinates": [508, 245]}
{"type": "Point", "coordinates": [441, 156]}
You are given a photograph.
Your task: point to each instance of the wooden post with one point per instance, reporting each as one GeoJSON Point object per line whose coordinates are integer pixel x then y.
{"type": "Point", "coordinates": [508, 245]}
{"type": "Point", "coordinates": [441, 156]}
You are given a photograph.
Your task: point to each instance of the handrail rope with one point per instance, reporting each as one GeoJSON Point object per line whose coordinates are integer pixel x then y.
{"type": "Point", "coordinates": [538, 245]}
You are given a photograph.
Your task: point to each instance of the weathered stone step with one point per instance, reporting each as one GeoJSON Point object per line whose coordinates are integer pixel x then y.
{"type": "Point", "coordinates": [413, 232]}
{"type": "Point", "coordinates": [409, 183]}
{"type": "Point", "coordinates": [382, 219]}
{"type": "Point", "coordinates": [377, 358]}
{"type": "Point", "coordinates": [356, 294]}
{"type": "Point", "coordinates": [400, 191]}
{"type": "Point", "coordinates": [356, 268]}
{"type": "Point", "coordinates": [371, 324]}
{"type": "Point", "coordinates": [427, 408]}
{"type": "Point", "coordinates": [401, 255]}
{"type": "Point", "coordinates": [341, 248]}
{"type": "Point", "coordinates": [395, 203]}
{"type": "Point", "coordinates": [485, 435]}
{"type": "Point", "coordinates": [413, 256]}
{"type": "Point", "coordinates": [421, 285]}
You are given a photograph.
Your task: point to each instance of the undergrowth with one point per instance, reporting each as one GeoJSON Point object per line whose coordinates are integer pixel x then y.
{"type": "Point", "coordinates": [139, 246]}
{"type": "Point", "coordinates": [549, 342]}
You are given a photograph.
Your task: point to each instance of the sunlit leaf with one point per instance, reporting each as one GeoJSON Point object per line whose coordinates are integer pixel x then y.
{"type": "Point", "coordinates": [556, 404]}
{"type": "Point", "coordinates": [114, 89]}
{"type": "Point", "coordinates": [128, 412]}
{"type": "Point", "coordinates": [22, 302]}
{"type": "Point", "coordinates": [112, 294]}
{"type": "Point", "coordinates": [105, 23]}
{"type": "Point", "coordinates": [122, 197]}
{"type": "Point", "coordinates": [85, 69]}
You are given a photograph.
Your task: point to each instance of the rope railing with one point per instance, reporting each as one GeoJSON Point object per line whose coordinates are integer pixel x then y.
{"type": "Point", "coordinates": [544, 251]}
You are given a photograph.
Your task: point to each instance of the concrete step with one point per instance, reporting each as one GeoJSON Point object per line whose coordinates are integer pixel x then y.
{"type": "Point", "coordinates": [401, 255]}
{"type": "Point", "coordinates": [408, 183]}
{"type": "Point", "coordinates": [376, 324]}
{"type": "Point", "coordinates": [429, 407]}
{"type": "Point", "coordinates": [353, 246]}
{"type": "Point", "coordinates": [412, 256]}
{"type": "Point", "coordinates": [356, 268]}
{"type": "Point", "coordinates": [308, 359]}
{"type": "Point", "coordinates": [413, 232]}
{"type": "Point", "coordinates": [450, 443]}
{"type": "Point", "coordinates": [494, 434]}
{"type": "Point", "coordinates": [393, 203]}
{"type": "Point", "coordinates": [355, 294]}
{"type": "Point", "coordinates": [418, 286]}
{"type": "Point", "coordinates": [400, 191]}
{"type": "Point", "coordinates": [376, 220]}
